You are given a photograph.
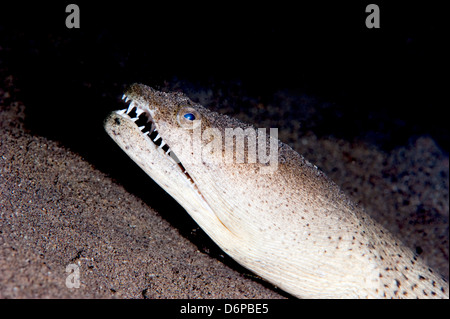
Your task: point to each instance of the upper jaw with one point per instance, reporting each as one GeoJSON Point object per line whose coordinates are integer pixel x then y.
{"type": "Point", "coordinates": [135, 103]}
{"type": "Point", "coordinates": [142, 116]}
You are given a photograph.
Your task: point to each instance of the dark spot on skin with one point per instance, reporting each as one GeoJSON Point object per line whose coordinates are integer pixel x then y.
{"type": "Point", "coordinates": [413, 286]}
{"type": "Point", "coordinates": [433, 283]}
{"type": "Point", "coordinates": [419, 250]}
{"type": "Point", "coordinates": [443, 290]}
{"type": "Point", "coordinates": [397, 282]}
{"type": "Point", "coordinates": [433, 293]}
{"type": "Point", "coordinates": [430, 270]}
{"type": "Point", "coordinates": [421, 277]}
{"type": "Point", "coordinates": [405, 293]}
{"type": "Point", "coordinates": [424, 292]}
{"type": "Point", "coordinates": [117, 121]}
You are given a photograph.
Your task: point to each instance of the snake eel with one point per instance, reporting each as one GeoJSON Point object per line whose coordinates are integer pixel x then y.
{"type": "Point", "coordinates": [291, 225]}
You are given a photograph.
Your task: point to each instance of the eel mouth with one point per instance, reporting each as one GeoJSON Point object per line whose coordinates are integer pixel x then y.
{"type": "Point", "coordinates": [142, 118]}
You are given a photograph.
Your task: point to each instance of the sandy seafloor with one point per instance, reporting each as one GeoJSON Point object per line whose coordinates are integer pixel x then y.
{"type": "Point", "coordinates": [66, 202]}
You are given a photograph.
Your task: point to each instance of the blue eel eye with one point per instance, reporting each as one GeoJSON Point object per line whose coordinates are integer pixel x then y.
{"type": "Point", "coordinates": [189, 116]}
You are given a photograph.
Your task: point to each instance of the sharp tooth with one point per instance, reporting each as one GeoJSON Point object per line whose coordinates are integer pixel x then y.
{"type": "Point", "coordinates": [139, 112]}
{"type": "Point", "coordinates": [141, 128]}
{"type": "Point", "coordinates": [130, 107]}
{"type": "Point", "coordinates": [156, 138]}
{"type": "Point", "coordinates": [121, 112]}
{"type": "Point", "coordinates": [124, 96]}
{"type": "Point", "coordinates": [135, 119]}
{"type": "Point", "coordinates": [162, 144]}
{"type": "Point", "coordinates": [168, 151]}
{"type": "Point", "coordinates": [126, 99]}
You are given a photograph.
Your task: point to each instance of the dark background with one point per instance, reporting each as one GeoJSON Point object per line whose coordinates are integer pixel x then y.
{"type": "Point", "coordinates": [385, 84]}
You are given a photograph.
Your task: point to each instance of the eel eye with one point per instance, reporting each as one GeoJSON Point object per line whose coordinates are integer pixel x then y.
{"type": "Point", "coordinates": [188, 117]}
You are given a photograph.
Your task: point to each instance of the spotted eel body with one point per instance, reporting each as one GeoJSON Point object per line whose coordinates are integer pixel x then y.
{"type": "Point", "coordinates": [292, 226]}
